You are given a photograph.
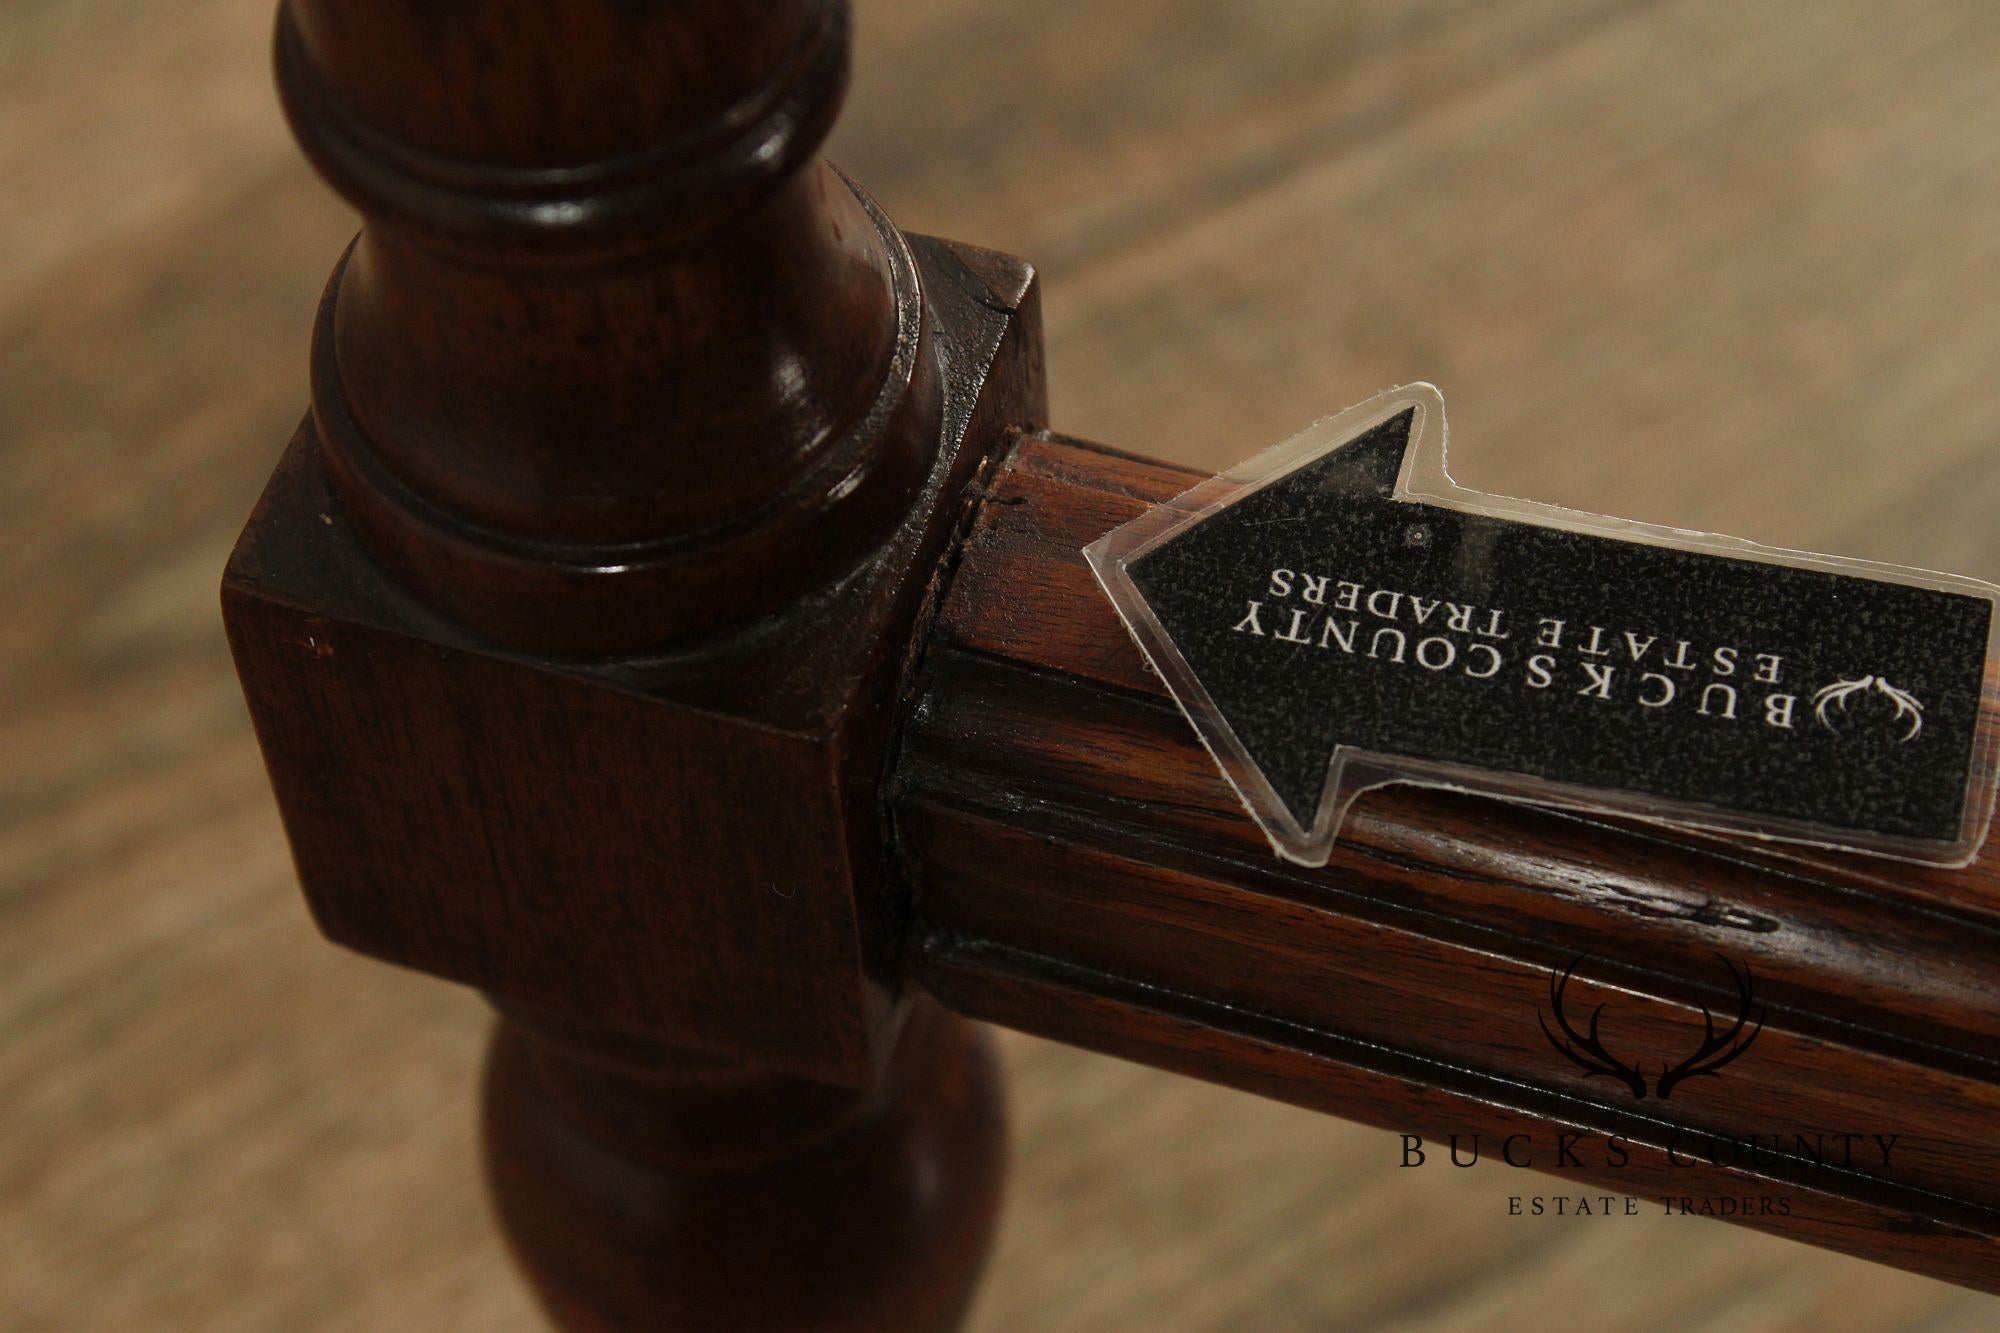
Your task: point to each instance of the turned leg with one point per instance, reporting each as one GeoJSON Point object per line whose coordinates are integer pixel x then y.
{"type": "Point", "coordinates": [642, 1187]}
{"type": "Point", "coordinates": [575, 619]}
{"type": "Point", "coordinates": [671, 621]}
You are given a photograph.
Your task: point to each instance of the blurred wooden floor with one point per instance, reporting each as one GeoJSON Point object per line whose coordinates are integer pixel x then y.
{"type": "Point", "coordinates": [1699, 262]}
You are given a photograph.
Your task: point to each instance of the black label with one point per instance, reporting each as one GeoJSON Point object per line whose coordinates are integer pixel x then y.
{"type": "Point", "coordinates": [1319, 610]}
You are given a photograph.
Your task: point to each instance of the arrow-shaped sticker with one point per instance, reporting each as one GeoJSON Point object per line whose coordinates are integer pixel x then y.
{"type": "Point", "coordinates": [1337, 614]}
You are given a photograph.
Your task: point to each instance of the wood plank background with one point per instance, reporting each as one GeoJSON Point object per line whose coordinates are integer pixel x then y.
{"type": "Point", "coordinates": [1704, 263]}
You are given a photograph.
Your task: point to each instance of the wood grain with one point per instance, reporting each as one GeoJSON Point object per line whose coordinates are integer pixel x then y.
{"type": "Point", "coordinates": [1080, 870]}
{"type": "Point", "coordinates": [1711, 265]}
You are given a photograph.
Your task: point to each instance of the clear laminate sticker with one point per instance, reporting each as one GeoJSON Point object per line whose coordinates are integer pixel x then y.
{"type": "Point", "coordinates": [1336, 614]}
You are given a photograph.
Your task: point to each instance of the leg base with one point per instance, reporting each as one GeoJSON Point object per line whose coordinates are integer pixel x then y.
{"type": "Point", "coordinates": [660, 1193]}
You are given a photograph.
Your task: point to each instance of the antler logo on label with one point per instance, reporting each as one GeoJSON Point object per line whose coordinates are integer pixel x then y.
{"type": "Point", "coordinates": [1837, 694]}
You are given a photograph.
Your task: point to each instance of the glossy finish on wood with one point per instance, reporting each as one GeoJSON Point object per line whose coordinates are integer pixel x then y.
{"type": "Point", "coordinates": [1083, 871]}
{"type": "Point", "coordinates": [574, 627]}
{"type": "Point", "coordinates": [731, 418]}
{"type": "Point", "coordinates": [617, 360]}
{"type": "Point", "coordinates": [206, 1082]}
{"type": "Point", "coordinates": [573, 620]}
{"type": "Point", "coordinates": [685, 847]}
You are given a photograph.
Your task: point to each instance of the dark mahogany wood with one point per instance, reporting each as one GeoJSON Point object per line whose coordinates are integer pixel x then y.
{"type": "Point", "coordinates": [650, 626]}
{"type": "Point", "coordinates": [1083, 871]}
{"type": "Point", "coordinates": [650, 1190]}
{"type": "Point", "coordinates": [617, 359]}
{"type": "Point", "coordinates": [573, 621]}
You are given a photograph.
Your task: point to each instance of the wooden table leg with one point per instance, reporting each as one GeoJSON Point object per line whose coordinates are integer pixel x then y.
{"type": "Point", "coordinates": [575, 621]}
{"type": "Point", "coordinates": [642, 1187]}
{"type": "Point", "coordinates": [670, 622]}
